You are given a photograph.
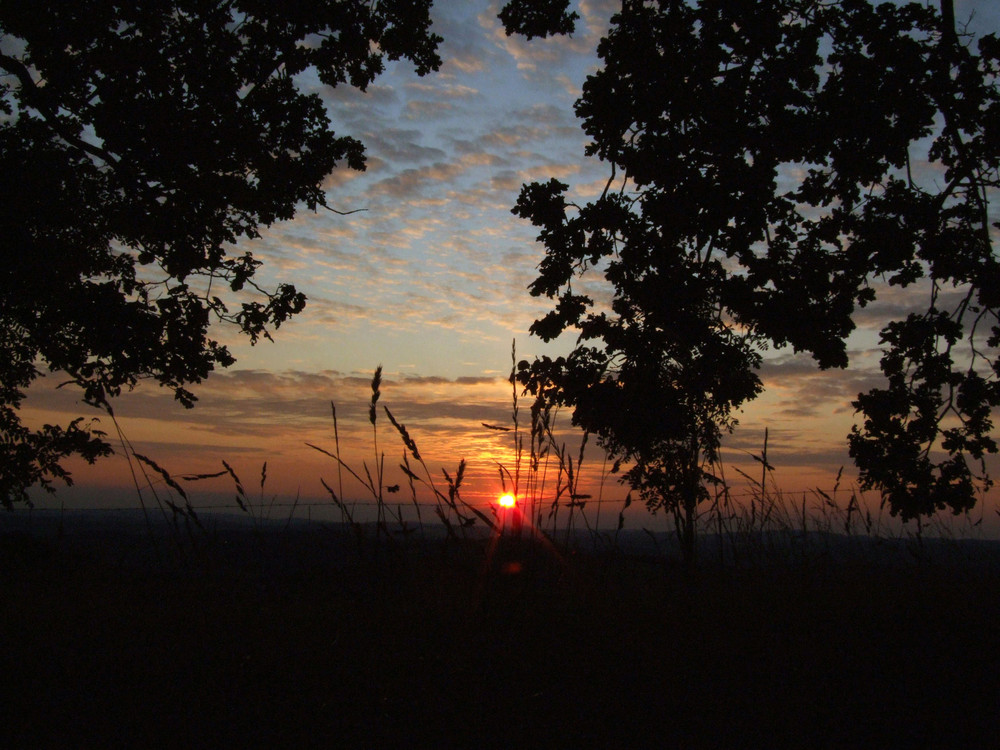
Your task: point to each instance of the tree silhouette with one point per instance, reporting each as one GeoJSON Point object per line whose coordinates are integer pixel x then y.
{"type": "Point", "coordinates": [537, 18]}
{"type": "Point", "coordinates": [139, 142]}
{"type": "Point", "coordinates": [775, 167]}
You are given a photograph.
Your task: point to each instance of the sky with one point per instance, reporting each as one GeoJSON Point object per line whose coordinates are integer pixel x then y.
{"type": "Point", "coordinates": [428, 277]}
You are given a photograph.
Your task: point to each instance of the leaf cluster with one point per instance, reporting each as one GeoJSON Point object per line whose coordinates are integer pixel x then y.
{"type": "Point", "coordinates": [538, 18]}
{"type": "Point", "coordinates": [139, 142]}
{"type": "Point", "coordinates": [776, 167]}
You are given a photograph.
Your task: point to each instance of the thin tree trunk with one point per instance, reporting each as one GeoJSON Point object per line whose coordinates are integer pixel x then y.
{"type": "Point", "coordinates": [688, 546]}
{"type": "Point", "coordinates": [687, 518]}
{"type": "Point", "coordinates": [948, 33]}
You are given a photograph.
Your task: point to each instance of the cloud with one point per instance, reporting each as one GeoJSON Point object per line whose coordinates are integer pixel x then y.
{"type": "Point", "coordinates": [896, 303]}
{"type": "Point", "coordinates": [596, 16]}
{"type": "Point", "coordinates": [443, 89]}
{"type": "Point", "coordinates": [344, 101]}
{"type": "Point", "coordinates": [425, 109]}
{"type": "Point", "coordinates": [465, 62]}
{"type": "Point", "coordinates": [509, 136]}
{"type": "Point", "coordinates": [410, 182]}
{"type": "Point", "coordinates": [342, 175]}
{"type": "Point", "coordinates": [540, 54]}
{"type": "Point", "coordinates": [431, 280]}
{"type": "Point", "coordinates": [400, 146]}
{"type": "Point", "coordinates": [247, 410]}
{"type": "Point", "coordinates": [807, 392]}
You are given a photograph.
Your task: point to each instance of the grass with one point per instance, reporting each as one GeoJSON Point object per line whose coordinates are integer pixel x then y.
{"type": "Point", "coordinates": [744, 523]}
{"type": "Point", "coordinates": [426, 646]}
{"type": "Point", "coordinates": [276, 632]}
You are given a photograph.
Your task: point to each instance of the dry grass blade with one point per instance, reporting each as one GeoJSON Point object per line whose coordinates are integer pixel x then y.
{"type": "Point", "coordinates": [446, 521]}
{"type": "Point", "coordinates": [197, 477]}
{"type": "Point", "coordinates": [239, 484]}
{"type": "Point", "coordinates": [241, 494]}
{"type": "Point", "coordinates": [490, 523]}
{"type": "Point", "coordinates": [376, 393]}
{"type": "Point", "coordinates": [451, 486]}
{"type": "Point", "coordinates": [621, 513]}
{"type": "Point", "coordinates": [162, 472]}
{"type": "Point", "coordinates": [345, 511]}
{"type": "Point", "coordinates": [323, 451]}
{"type": "Point", "coordinates": [406, 470]}
{"type": "Point", "coordinates": [824, 495]}
{"type": "Point", "coordinates": [371, 482]}
{"type": "Point", "coordinates": [332, 493]}
{"type": "Point", "coordinates": [504, 474]}
{"type": "Point", "coordinates": [410, 476]}
{"type": "Point", "coordinates": [407, 440]}
{"type": "Point", "coordinates": [752, 480]}
{"type": "Point", "coordinates": [368, 485]}
{"type": "Point", "coordinates": [454, 485]}
{"type": "Point", "coordinates": [187, 511]}
{"type": "Point", "coordinates": [336, 443]}
{"type": "Point", "coordinates": [455, 497]}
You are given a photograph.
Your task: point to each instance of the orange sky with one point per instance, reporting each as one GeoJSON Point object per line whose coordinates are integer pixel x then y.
{"type": "Point", "coordinates": [249, 417]}
{"type": "Point", "coordinates": [430, 280]}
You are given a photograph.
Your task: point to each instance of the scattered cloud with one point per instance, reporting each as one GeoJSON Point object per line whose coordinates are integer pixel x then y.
{"type": "Point", "coordinates": [431, 276]}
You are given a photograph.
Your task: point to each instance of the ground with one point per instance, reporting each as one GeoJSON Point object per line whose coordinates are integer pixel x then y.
{"type": "Point", "coordinates": [306, 637]}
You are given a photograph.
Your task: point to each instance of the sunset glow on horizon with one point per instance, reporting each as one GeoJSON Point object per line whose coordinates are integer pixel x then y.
{"type": "Point", "coordinates": [459, 373]}
{"type": "Point", "coordinates": [430, 278]}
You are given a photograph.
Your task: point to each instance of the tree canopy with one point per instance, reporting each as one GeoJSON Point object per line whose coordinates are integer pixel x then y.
{"type": "Point", "coordinates": [140, 144]}
{"type": "Point", "coordinates": [777, 166]}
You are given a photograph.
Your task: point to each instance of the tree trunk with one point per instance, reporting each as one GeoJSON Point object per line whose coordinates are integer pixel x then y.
{"type": "Point", "coordinates": [948, 34]}
{"type": "Point", "coordinates": [688, 546]}
{"type": "Point", "coordinates": [685, 519]}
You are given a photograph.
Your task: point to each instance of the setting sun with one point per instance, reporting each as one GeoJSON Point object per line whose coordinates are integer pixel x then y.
{"type": "Point", "coordinates": [507, 501]}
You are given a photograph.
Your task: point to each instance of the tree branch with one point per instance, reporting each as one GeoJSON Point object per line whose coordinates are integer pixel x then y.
{"type": "Point", "coordinates": [343, 213]}
{"type": "Point", "coordinates": [948, 34]}
{"type": "Point", "coordinates": [33, 96]}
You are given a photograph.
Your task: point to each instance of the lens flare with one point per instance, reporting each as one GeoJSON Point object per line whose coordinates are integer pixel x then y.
{"type": "Point", "coordinates": [507, 501]}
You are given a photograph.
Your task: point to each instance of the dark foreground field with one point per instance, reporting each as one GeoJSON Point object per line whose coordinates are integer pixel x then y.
{"type": "Point", "coordinates": [300, 638]}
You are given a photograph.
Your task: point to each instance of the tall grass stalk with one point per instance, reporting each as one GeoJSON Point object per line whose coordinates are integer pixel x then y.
{"type": "Point", "coordinates": [752, 520]}
{"type": "Point", "coordinates": [376, 484]}
{"type": "Point", "coordinates": [547, 475]}
{"type": "Point", "coordinates": [455, 513]}
{"type": "Point", "coordinates": [186, 512]}
{"type": "Point", "coordinates": [345, 514]}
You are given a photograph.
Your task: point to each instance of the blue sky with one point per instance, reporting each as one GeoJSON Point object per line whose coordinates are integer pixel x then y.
{"type": "Point", "coordinates": [430, 276]}
{"type": "Point", "coordinates": [429, 279]}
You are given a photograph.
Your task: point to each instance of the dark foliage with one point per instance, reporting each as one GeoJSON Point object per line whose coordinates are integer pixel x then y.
{"type": "Point", "coordinates": [765, 188]}
{"type": "Point", "coordinates": [538, 18]}
{"type": "Point", "coordinates": [138, 143]}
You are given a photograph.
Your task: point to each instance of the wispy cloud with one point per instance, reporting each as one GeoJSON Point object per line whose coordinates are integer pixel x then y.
{"type": "Point", "coordinates": [431, 279]}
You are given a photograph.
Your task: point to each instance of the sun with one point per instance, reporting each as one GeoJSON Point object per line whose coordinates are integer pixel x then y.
{"type": "Point", "coordinates": [507, 501]}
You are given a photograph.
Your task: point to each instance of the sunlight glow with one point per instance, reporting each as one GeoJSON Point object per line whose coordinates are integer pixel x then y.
{"type": "Point", "coordinates": [507, 501]}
